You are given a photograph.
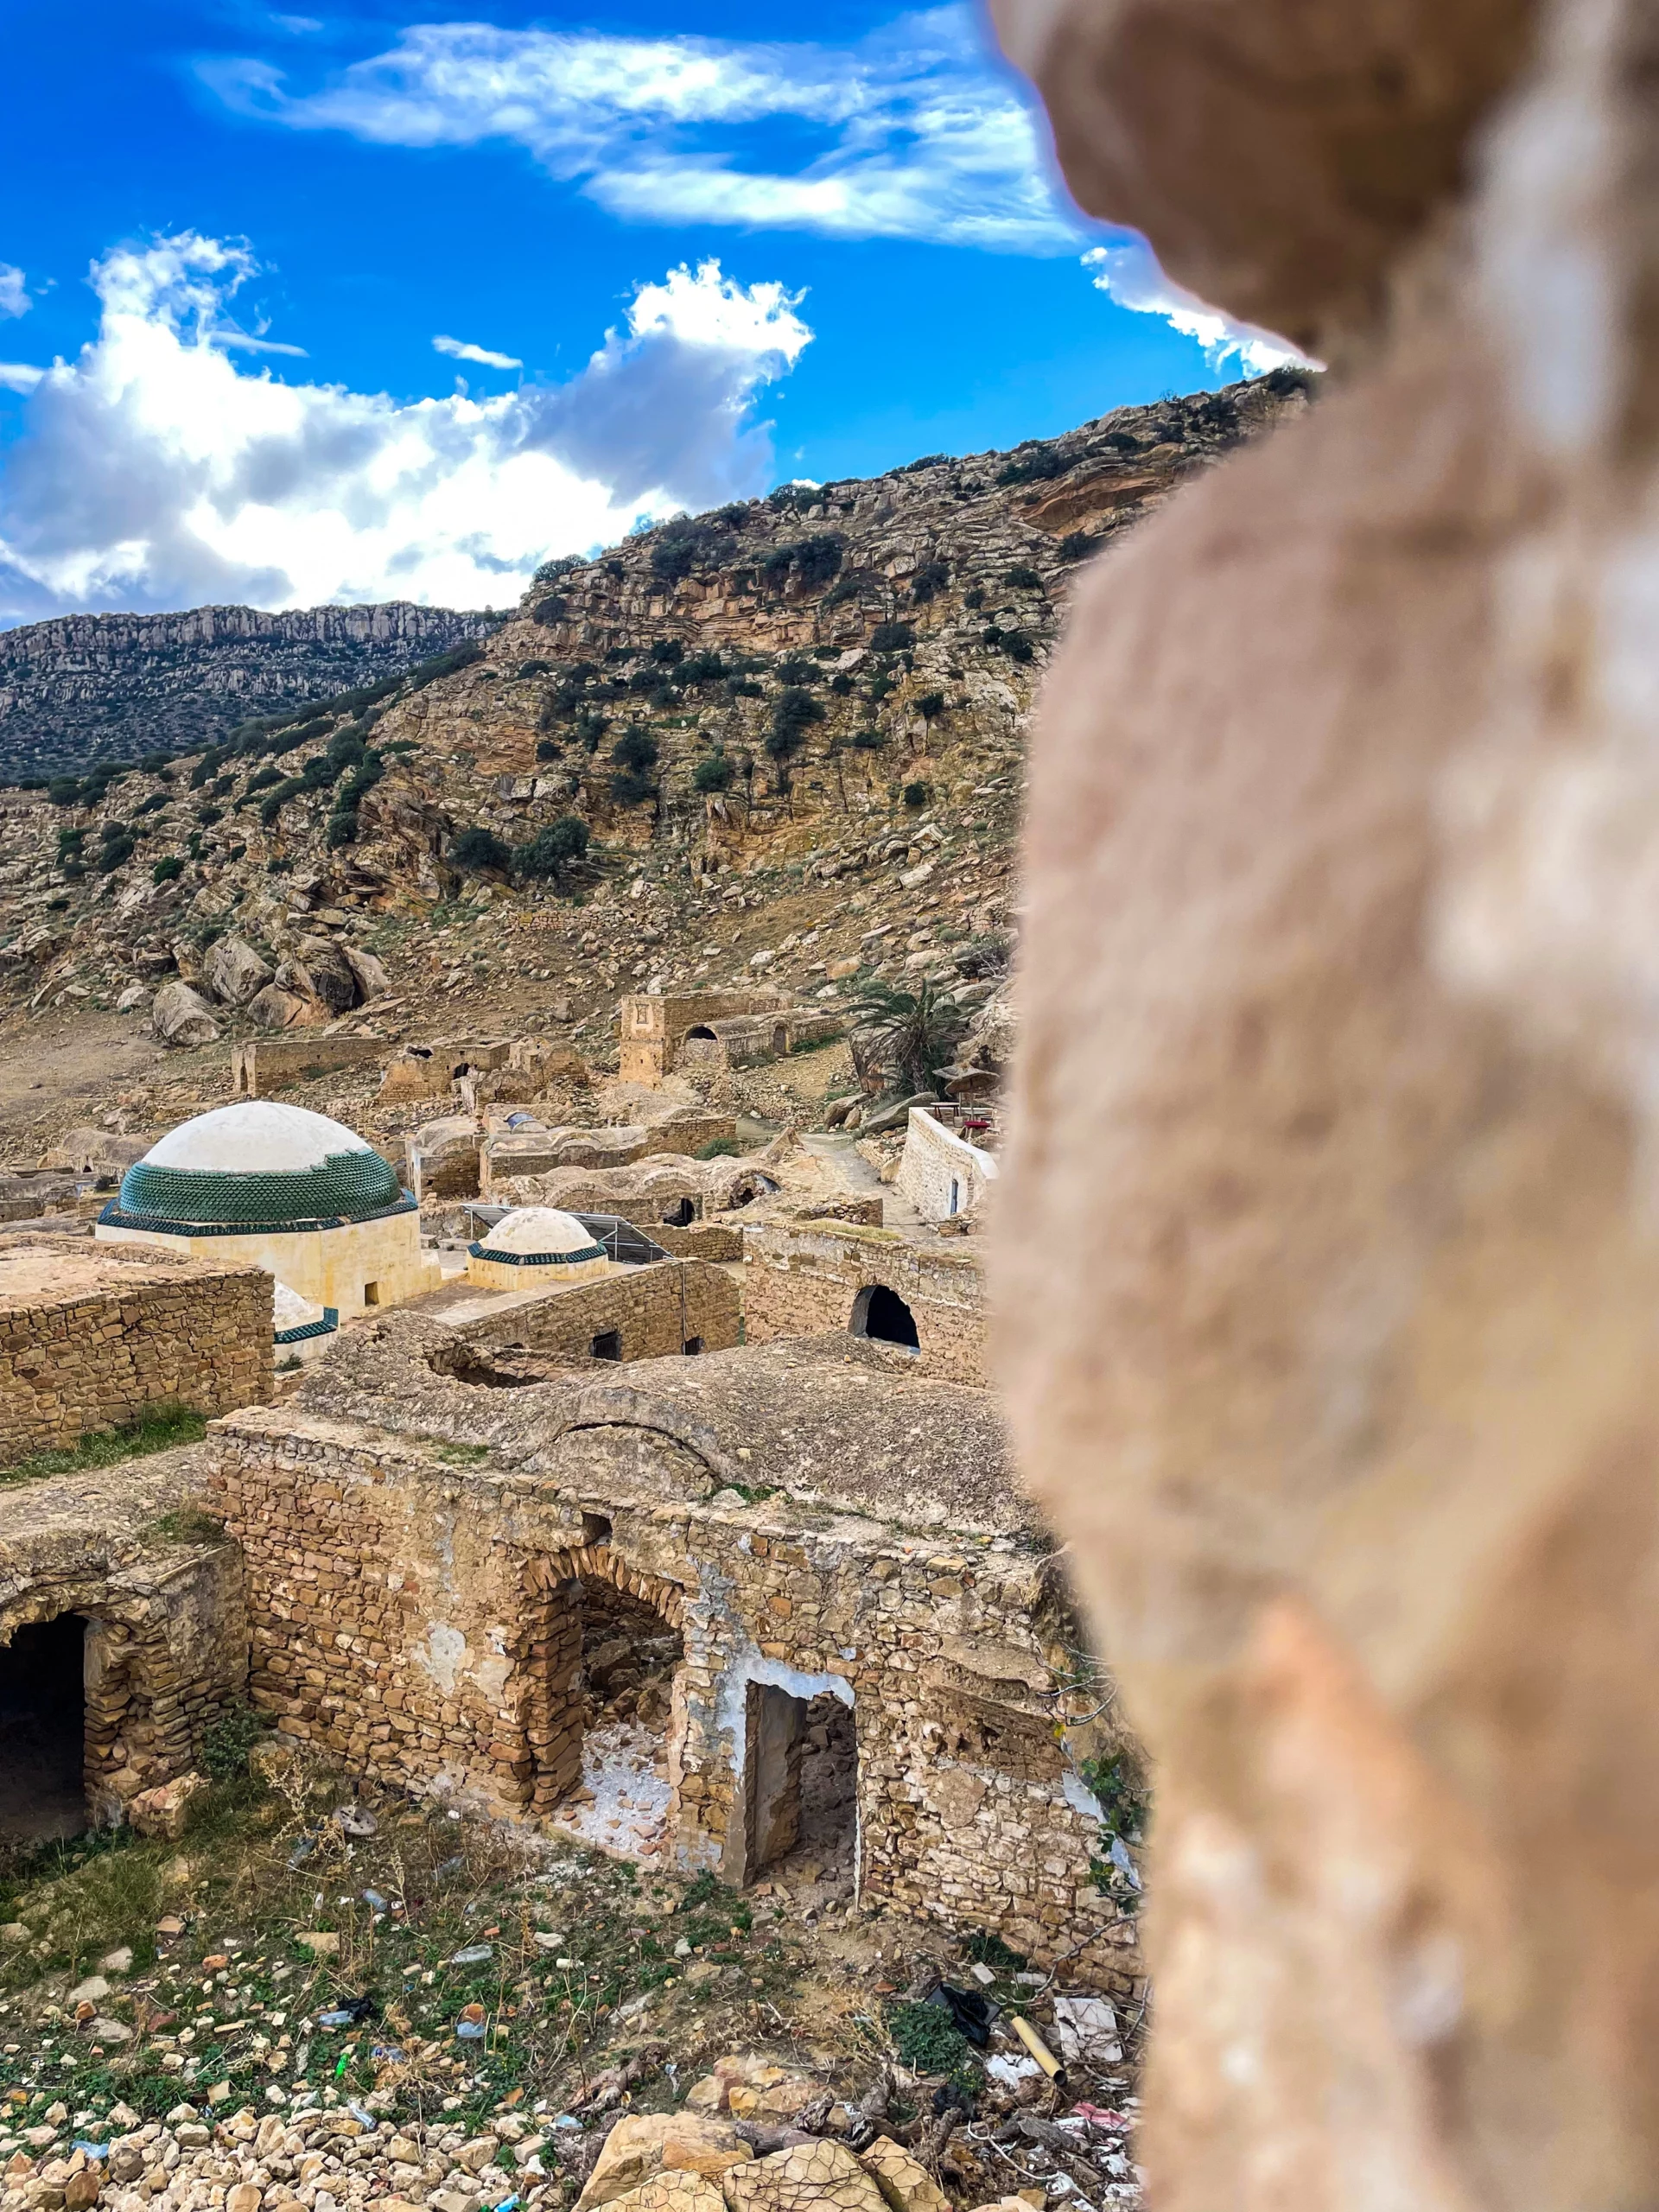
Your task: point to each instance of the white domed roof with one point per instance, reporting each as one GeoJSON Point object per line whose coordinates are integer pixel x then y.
{"type": "Point", "coordinates": [540, 1230]}
{"type": "Point", "coordinates": [257, 1166]}
{"type": "Point", "coordinates": [256, 1136]}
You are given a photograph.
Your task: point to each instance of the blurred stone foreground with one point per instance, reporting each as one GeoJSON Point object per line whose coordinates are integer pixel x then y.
{"type": "Point", "coordinates": [1330, 1254]}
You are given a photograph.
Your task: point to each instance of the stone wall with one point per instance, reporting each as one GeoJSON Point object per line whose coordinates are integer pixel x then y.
{"type": "Point", "coordinates": [93, 1335]}
{"type": "Point", "coordinates": [164, 1648]}
{"type": "Point", "coordinates": [258, 1069]}
{"type": "Point", "coordinates": [940, 1172]}
{"type": "Point", "coordinates": [653, 1312]}
{"type": "Point", "coordinates": [420, 1621]}
{"type": "Point", "coordinates": [801, 1281]}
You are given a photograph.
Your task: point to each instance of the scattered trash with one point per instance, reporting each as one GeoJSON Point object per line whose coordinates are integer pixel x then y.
{"type": "Point", "coordinates": [303, 1849]}
{"type": "Point", "coordinates": [374, 1898]}
{"type": "Point", "coordinates": [91, 2149]}
{"type": "Point", "coordinates": [981, 1974]}
{"type": "Point", "coordinates": [470, 2031]}
{"type": "Point", "coordinates": [1039, 2049]}
{"type": "Point", "coordinates": [347, 2014]}
{"type": "Point", "coordinates": [1088, 2030]}
{"type": "Point", "coordinates": [352, 1819]}
{"type": "Point", "coordinates": [366, 2119]}
{"type": "Point", "coordinates": [470, 1954]}
{"type": "Point", "coordinates": [452, 1866]}
{"type": "Point", "coordinates": [387, 2054]}
{"type": "Point", "coordinates": [1098, 2116]}
{"type": "Point", "coordinates": [969, 2013]}
{"type": "Point", "coordinates": [1008, 2072]}
{"type": "Point", "coordinates": [567, 2119]}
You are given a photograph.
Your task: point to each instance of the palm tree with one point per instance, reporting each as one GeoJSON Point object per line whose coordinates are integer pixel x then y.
{"type": "Point", "coordinates": [912, 1034]}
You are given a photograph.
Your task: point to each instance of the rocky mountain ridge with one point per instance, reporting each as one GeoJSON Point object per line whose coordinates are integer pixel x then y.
{"type": "Point", "coordinates": [83, 688]}
{"type": "Point", "coordinates": [783, 741]}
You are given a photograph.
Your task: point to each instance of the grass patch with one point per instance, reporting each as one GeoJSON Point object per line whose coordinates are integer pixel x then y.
{"type": "Point", "coordinates": [162, 1427]}
{"type": "Point", "coordinates": [187, 1525]}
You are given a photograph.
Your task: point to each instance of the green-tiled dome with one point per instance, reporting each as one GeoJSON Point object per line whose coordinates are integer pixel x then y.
{"type": "Point", "coordinates": [257, 1165]}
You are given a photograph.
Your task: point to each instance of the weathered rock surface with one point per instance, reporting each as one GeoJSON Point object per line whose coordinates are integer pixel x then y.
{"type": "Point", "coordinates": [646, 2143]}
{"type": "Point", "coordinates": [179, 1015]}
{"type": "Point", "coordinates": [234, 972]}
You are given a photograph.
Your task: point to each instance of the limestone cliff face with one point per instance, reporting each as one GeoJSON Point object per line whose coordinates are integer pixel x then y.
{"type": "Point", "coordinates": [83, 688]}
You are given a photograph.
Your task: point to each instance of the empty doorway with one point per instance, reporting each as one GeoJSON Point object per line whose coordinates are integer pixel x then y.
{"type": "Point", "coordinates": [801, 1790]}
{"type": "Point", "coordinates": [43, 1732]}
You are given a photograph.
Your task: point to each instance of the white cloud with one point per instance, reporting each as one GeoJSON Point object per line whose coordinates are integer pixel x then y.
{"type": "Point", "coordinates": [1128, 272]}
{"type": "Point", "coordinates": [14, 292]}
{"type": "Point", "coordinates": [155, 472]}
{"type": "Point", "coordinates": [19, 376]}
{"type": "Point", "coordinates": [460, 350]}
{"type": "Point", "coordinates": [910, 133]}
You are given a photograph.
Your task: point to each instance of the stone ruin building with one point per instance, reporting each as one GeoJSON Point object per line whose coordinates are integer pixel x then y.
{"type": "Point", "coordinates": [712, 1564]}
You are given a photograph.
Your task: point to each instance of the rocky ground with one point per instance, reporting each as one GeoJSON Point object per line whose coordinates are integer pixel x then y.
{"type": "Point", "coordinates": [316, 1999]}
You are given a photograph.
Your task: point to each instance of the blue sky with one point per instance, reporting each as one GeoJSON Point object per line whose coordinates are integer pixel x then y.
{"type": "Point", "coordinates": [704, 258]}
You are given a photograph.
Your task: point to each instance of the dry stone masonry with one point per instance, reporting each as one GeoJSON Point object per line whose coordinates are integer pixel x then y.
{"type": "Point", "coordinates": [94, 1337]}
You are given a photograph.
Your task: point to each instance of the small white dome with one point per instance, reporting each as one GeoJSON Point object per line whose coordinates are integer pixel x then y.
{"type": "Point", "coordinates": [256, 1136]}
{"type": "Point", "coordinates": [291, 1311]}
{"type": "Point", "coordinates": [533, 1231]}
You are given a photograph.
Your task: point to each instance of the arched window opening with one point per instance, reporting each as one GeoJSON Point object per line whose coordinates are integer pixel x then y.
{"type": "Point", "coordinates": [880, 1313]}
{"type": "Point", "coordinates": [702, 1030]}
{"type": "Point", "coordinates": [43, 1732]}
{"type": "Point", "coordinates": [680, 1215]}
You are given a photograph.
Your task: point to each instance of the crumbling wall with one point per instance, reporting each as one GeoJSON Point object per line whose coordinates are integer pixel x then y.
{"type": "Point", "coordinates": [413, 1617]}
{"type": "Point", "coordinates": [91, 1341]}
{"type": "Point", "coordinates": [801, 1281]}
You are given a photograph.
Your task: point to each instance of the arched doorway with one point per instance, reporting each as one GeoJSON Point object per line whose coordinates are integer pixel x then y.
{"type": "Point", "coordinates": [605, 1712]}
{"type": "Point", "coordinates": [43, 1731]}
{"type": "Point", "coordinates": [680, 1215]}
{"type": "Point", "coordinates": [701, 1032]}
{"type": "Point", "coordinates": [880, 1313]}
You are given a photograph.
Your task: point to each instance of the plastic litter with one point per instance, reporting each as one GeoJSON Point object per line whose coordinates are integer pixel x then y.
{"type": "Point", "coordinates": [303, 1850]}
{"type": "Point", "coordinates": [569, 2119]}
{"type": "Point", "coordinates": [353, 1820]}
{"type": "Point", "coordinates": [971, 2013]}
{"type": "Point", "coordinates": [1119, 1855]}
{"type": "Point", "coordinates": [338, 2018]}
{"type": "Point", "coordinates": [1098, 2116]}
{"type": "Point", "coordinates": [373, 1898]}
{"type": "Point", "coordinates": [470, 1954]}
{"type": "Point", "coordinates": [453, 1866]}
{"type": "Point", "coordinates": [348, 2013]}
{"type": "Point", "coordinates": [470, 2031]}
{"type": "Point", "coordinates": [91, 2149]}
{"type": "Point", "coordinates": [367, 2119]}
{"type": "Point", "coordinates": [1011, 2071]}
{"type": "Point", "coordinates": [388, 2054]}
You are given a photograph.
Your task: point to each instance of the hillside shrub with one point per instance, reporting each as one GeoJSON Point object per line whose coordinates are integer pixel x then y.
{"type": "Point", "coordinates": [442, 664]}
{"type": "Point", "coordinates": [548, 749]}
{"type": "Point", "coordinates": [116, 854]}
{"type": "Point", "coordinates": [167, 870]}
{"type": "Point", "coordinates": [552, 849]}
{"type": "Point", "coordinates": [275, 799]}
{"type": "Point", "coordinates": [917, 794]}
{"type": "Point", "coordinates": [1041, 464]}
{"type": "Point", "coordinates": [669, 652]}
{"type": "Point", "coordinates": [929, 581]}
{"type": "Point", "coordinates": [1022, 577]}
{"type": "Point", "coordinates": [796, 710]}
{"type": "Point", "coordinates": [1076, 545]}
{"type": "Point", "coordinates": [893, 637]}
{"type": "Point", "coordinates": [869, 739]}
{"type": "Point", "coordinates": [630, 787]}
{"type": "Point", "coordinates": [712, 774]}
{"type": "Point", "coordinates": [635, 750]}
{"type": "Point", "coordinates": [478, 849]}
{"type": "Point", "coordinates": [931, 705]}
{"type": "Point", "coordinates": [64, 791]}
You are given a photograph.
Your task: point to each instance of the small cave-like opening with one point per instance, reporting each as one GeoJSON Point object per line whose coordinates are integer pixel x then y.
{"type": "Point", "coordinates": [802, 1790]}
{"type": "Point", "coordinates": [43, 1732]}
{"type": "Point", "coordinates": [882, 1315]}
{"type": "Point", "coordinates": [629, 1655]}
